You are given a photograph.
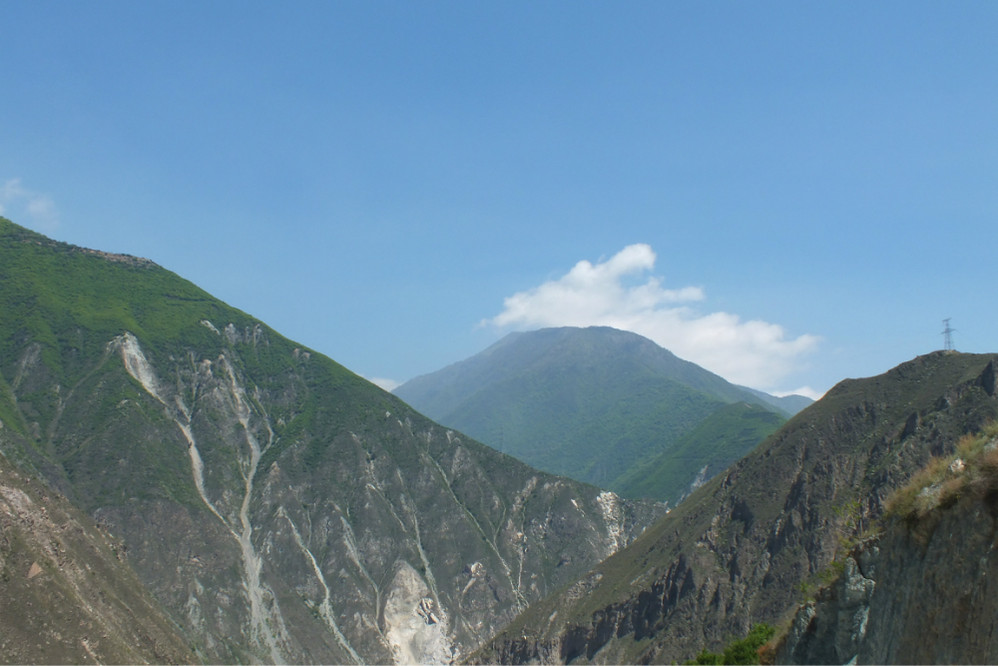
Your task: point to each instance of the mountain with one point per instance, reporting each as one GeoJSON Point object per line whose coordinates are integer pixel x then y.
{"type": "Point", "coordinates": [596, 404]}
{"type": "Point", "coordinates": [752, 543]}
{"type": "Point", "coordinates": [276, 506]}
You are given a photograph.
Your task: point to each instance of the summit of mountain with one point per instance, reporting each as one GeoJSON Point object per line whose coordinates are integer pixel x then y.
{"type": "Point", "coordinates": [561, 349]}
{"type": "Point", "coordinates": [598, 404]}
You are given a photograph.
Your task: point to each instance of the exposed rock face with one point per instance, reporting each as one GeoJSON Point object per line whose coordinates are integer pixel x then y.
{"type": "Point", "coordinates": [416, 630]}
{"type": "Point", "coordinates": [383, 538]}
{"type": "Point", "coordinates": [738, 550]}
{"type": "Point", "coordinates": [916, 595]}
{"type": "Point", "coordinates": [279, 507]}
{"type": "Point", "coordinates": [844, 611]}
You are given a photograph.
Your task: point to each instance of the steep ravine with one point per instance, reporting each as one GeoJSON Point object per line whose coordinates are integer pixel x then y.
{"type": "Point", "coordinates": [262, 623]}
{"type": "Point", "coordinates": [283, 510]}
{"type": "Point", "coordinates": [412, 617]}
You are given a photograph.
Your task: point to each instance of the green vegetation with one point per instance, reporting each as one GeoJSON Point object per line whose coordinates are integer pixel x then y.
{"type": "Point", "coordinates": [71, 301]}
{"type": "Point", "coordinates": [587, 423]}
{"type": "Point", "coordinates": [595, 404]}
{"type": "Point", "coordinates": [971, 468]}
{"type": "Point", "coordinates": [743, 651]}
{"type": "Point", "coordinates": [720, 440]}
{"type": "Point", "coordinates": [80, 418]}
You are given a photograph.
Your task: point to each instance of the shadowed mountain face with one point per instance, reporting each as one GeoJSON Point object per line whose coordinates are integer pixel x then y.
{"type": "Point", "coordinates": [277, 506]}
{"type": "Point", "coordinates": [746, 547]}
{"type": "Point", "coordinates": [600, 405]}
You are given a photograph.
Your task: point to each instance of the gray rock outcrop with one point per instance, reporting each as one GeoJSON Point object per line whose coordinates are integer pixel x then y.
{"type": "Point", "coordinates": [918, 594]}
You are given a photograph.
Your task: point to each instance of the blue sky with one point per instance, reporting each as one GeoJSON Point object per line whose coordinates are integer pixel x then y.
{"type": "Point", "coordinates": [786, 193]}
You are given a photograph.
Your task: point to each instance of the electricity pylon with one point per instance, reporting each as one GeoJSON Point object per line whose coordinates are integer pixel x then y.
{"type": "Point", "coordinates": [948, 336]}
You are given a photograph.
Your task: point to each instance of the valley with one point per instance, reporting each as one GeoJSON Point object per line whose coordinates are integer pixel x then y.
{"type": "Point", "coordinates": [179, 483]}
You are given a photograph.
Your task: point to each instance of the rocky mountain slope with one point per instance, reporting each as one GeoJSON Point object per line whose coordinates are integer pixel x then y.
{"type": "Point", "coordinates": [922, 590]}
{"type": "Point", "coordinates": [750, 544]}
{"type": "Point", "coordinates": [66, 594]}
{"type": "Point", "coordinates": [280, 508]}
{"type": "Point", "coordinates": [600, 405]}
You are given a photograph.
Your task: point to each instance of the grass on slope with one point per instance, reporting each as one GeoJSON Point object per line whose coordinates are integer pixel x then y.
{"type": "Point", "coordinates": [727, 435]}
{"type": "Point", "coordinates": [971, 469]}
{"type": "Point", "coordinates": [61, 305]}
{"type": "Point", "coordinates": [72, 301]}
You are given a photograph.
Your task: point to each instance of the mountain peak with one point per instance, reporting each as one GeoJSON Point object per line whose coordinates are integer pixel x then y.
{"type": "Point", "coordinates": [598, 404]}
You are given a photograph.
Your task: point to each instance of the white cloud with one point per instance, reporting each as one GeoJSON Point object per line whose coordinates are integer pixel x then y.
{"type": "Point", "coordinates": [39, 209]}
{"type": "Point", "coordinates": [611, 293]}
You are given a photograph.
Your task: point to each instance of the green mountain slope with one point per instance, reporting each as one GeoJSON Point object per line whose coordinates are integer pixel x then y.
{"type": "Point", "coordinates": [747, 546]}
{"type": "Point", "coordinates": [707, 450]}
{"type": "Point", "coordinates": [595, 404]}
{"type": "Point", "coordinates": [279, 507]}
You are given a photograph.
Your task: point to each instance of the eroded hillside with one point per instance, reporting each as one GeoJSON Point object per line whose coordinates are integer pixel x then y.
{"type": "Point", "coordinates": [279, 507]}
{"type": "Point", "coordinates": [67, 595]}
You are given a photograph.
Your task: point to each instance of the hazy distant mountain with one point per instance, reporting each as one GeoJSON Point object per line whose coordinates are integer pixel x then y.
{"type": "Point", "coordinates": [805, 508]}
{"type": "Point", "coordinates": [598, 404]}
{"type": "Point", "coordinates": [789, 404]}
{"type": "Point", "coordinates": [278, 507]}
